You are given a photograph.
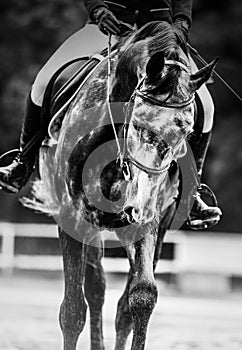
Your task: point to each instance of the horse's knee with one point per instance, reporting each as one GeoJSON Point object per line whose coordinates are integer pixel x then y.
{"type": "Point", "coordinates": [142, 299]}
{"type": "Point", "coordinates": [72, 317]}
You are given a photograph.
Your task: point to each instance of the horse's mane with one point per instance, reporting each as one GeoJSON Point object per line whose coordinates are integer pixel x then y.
{"type": "Point", "coordinates": [136, 49]}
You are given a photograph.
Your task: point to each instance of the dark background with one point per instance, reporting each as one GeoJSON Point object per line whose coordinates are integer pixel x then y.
{"type": "Point", "coordinates": [31, 30]}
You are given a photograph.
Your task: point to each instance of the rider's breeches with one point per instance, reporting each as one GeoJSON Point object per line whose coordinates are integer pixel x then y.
{"type": "Point", "coordinates": [206, 101]}
{"type": "Point", "coordinates": [90, 40]}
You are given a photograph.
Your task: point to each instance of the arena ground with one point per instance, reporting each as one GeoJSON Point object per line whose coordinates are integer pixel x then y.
{"type": "Point", "coordinates": [29, 317]}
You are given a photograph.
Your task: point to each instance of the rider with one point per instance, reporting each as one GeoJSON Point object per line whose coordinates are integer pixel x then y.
{"type": "Point", "coordinates": [106, 17]}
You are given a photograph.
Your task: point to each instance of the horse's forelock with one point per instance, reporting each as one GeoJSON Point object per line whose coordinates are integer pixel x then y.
{"type": "Point", "coordinates": [135, 49]}
{"type": "Point", "coordinates": [163, 36]}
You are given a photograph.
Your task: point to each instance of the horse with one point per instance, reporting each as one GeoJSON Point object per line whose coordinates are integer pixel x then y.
{"type": "Point", "coordinates": [90, 190]}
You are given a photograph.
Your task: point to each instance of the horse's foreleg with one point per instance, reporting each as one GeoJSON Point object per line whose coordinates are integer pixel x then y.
{"type": "Point", "coordinates": [143, 257]}
{"type": "Point", "coordinates": [73, 308]}
{"type": "Point", "coordinates": [123, 322]}
{"type": "Point", "coordinates": [143, 290]}
{"type": "Point", "coordinates": [163, 226]}
{"type": "Point", "coordinates": [94, 293]}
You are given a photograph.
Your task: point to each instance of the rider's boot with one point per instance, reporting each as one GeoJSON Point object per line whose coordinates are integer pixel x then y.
{"type": "Point", "coordinates": [202, 216]}
{"type": "Point", "coordinates": [14, 176]}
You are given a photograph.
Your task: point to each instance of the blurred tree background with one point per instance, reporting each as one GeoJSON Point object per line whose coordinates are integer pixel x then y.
{"type": "Point", "coordinates": [31, 31]}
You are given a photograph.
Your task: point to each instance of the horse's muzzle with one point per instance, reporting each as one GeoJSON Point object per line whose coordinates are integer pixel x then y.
{"type": "Point", "coordinates": [135, 216]}
{"type": "Point", "coordinates": [128, 211]}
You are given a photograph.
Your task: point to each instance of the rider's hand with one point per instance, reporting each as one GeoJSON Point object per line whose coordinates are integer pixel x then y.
{"type": "Point", "coordinates": [106, 21]}
{"type": "Point", "coordinates": [182, 24]}
{"type": "Point", "coordinates": [125, 28]}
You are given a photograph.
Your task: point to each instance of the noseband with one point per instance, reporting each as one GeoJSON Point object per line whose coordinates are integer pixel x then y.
{"type": "Point", "coordinates": [152, 100]}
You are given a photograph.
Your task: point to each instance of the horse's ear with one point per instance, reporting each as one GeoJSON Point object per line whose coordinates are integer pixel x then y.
{"type": "Point", "coordinates": [155, 66]}
{"type": "Point", "coordinates": [202, 76]}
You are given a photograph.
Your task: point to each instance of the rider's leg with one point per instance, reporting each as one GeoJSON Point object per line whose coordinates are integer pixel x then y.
{"type": "Point", "coordinates": [14, 176]}
{"type": "Point", "coordinates": [201, 214]}
{"type": "Point", "coordinates": [85, 42]}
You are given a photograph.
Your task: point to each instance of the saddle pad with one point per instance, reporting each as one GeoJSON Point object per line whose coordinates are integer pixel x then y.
{"type": "Point", "coordinates": [66, 92]}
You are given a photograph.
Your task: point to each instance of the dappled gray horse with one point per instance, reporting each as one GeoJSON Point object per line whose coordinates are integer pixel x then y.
{"type": "Point", "coordinates": [88, 190]}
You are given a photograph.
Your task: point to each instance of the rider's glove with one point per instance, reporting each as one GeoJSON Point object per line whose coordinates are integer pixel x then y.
{"type": "Point", "coordinates": [183, 25]}
{"type": "Point", "coordinates": [106, 21]}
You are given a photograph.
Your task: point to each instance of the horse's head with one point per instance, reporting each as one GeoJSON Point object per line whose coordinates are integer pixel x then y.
{"type": "Point", "coordinates": [161, 116]}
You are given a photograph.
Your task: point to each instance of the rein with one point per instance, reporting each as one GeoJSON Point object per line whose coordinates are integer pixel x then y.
{"type": "Point", "coordinates": [120, 154]}
{"type": "Point", "coordinates": [204, 62]}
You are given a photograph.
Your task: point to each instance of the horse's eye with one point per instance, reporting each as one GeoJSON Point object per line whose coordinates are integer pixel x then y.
{"type": "Point", "coordinates": [161, 151]}
{"type": "Point", "coordinates": [136, 127]}
{"type": "Point", "coordinates": [146, 136]}
{"type": "Point", "coordinates": [189, 134]}
{"type": "Point", "coordinates": [150, 137]}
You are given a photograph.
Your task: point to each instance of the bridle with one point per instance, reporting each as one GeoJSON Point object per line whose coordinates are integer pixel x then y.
{"type": "Point", "coordinates": [138, 92]}
{"type": "Point", "coordinates": [154, 101]}
{"type": "Point", "coordinates": [124, 159]}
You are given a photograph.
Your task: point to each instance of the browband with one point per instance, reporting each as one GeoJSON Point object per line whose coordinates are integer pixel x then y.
{"type": "Point", "coordinates": [177, 63]}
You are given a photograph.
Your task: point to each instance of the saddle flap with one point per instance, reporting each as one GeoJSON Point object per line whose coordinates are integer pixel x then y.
{"type": "Point", "coordinates": [64, 89]}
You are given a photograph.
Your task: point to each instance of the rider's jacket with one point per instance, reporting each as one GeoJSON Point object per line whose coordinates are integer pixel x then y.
{"type": "Point", "coordinates": [142, 11]}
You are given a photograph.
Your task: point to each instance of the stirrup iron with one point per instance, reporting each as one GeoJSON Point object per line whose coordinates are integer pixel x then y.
{"type": "Point", "coordinates": [204, 189]}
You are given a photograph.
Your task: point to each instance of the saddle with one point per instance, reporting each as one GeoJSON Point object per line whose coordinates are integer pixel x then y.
{"type": "Point", "coordinates": [62, 89]}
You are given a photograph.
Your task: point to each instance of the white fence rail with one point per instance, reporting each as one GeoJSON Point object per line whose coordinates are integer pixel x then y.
{"type": "Point", "coordinates": [200, 253]}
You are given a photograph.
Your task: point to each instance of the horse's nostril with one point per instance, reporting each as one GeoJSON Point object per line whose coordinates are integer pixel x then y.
{"type": "Point", "coordinates": [135, 212]}
{"type": "Point", "coordinates": [129, 211]}
{"type": "Point", "coordinates": [136, 215]}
